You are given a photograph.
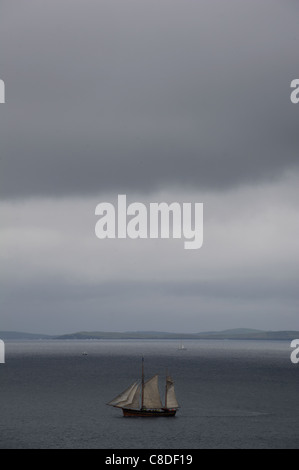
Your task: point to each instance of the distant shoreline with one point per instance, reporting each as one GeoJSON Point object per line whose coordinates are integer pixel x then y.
{"type": "Point", "coordinates": [234, 334]}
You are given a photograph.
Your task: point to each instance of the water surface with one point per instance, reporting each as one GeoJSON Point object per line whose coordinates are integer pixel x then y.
{"type": "Point", "coordinates": [233, 394]}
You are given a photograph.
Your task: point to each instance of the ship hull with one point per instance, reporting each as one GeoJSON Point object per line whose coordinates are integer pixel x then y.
{"type": "Point", "coordinates": [163, 412]}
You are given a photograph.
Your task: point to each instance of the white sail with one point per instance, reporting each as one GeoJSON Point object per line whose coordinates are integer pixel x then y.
{"type": "Point", "coordinates": [126, 398]}
{"type": "Point", "coordinates": [135, 399]}
{"type": "Point", "coordinates": [151, 394]}
{"type": "Point", "coordinates": [171, 401]}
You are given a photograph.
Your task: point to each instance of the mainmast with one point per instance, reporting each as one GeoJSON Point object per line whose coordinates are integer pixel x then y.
{"type": "Point", "coordinates": [142, 383]}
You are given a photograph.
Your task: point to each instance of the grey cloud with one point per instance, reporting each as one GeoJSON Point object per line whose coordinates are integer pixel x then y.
{"type": "Point", "coordinates": [245, 289]}
{"type": "Point", "coordinates": [57, 276]}
{"type": "Point", "coordinates": [144, 95]}
{"type": "Point", "coordinates": [161, 100]}
{"type": "Point", "coordinates": [182, 307]}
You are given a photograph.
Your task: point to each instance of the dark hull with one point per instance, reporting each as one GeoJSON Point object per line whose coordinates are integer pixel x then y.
{"type": "Point", "coordinates": [149, 413]}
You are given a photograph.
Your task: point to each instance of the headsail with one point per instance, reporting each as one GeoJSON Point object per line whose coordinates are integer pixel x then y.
{"type": "Point", "coordinates": [171, 401]}
{"type": "Point", "coordinates": [129, 398]}
{"type": "Point", "coordinates": [151, 394]}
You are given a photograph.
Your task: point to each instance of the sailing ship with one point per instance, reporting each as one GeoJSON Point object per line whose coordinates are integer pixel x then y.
{"type": "Point", "coordinates": [143, 399]}
{"type": "Point", "coordinates": [182, 347]}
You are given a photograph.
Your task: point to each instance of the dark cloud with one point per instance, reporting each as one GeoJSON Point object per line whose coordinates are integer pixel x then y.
{"type": "Point", "coordinates": [162, 100]}
{"type": "Point", "coordinates": [142, 95]}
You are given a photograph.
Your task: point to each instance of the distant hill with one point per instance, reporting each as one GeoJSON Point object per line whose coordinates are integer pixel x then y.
{"type": "Point", "coordinates": [241, 331]}
{"type": "Point", "coordinates": [237, 333]}
{"type": "Point", "coordinates": [250, 334]}
{"type": "Point", "coordinates": [124, 335]}
{"type": "Point", "coordinates": [21, 335]}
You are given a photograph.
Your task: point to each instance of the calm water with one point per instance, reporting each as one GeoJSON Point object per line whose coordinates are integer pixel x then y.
{"type": "Point", "coordinates": [233, 394]}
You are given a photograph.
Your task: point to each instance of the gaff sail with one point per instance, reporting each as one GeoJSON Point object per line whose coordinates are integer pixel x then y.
{"type": "Point", "coordinates": [170, 400]}
{"type": "Point", "coordinates": [151, 397]}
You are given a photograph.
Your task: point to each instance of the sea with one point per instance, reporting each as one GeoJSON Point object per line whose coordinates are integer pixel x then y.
{"type": "Point", "coordinates": [232, 395]}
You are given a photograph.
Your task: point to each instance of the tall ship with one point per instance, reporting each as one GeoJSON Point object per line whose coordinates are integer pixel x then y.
{"type": "Point", "coordinates": [143, 398]}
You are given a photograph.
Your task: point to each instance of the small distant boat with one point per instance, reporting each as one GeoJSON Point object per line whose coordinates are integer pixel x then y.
{"type": "Point", "coordinates": [143, 399]}
{"type": "Point", "coordinates": [182, 347]}
{"type": "Point", "coordinates": [84, 353]}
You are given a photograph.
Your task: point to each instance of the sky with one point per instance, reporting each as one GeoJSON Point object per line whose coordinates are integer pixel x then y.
{"type": "Point", "coordinates": [161, 100]}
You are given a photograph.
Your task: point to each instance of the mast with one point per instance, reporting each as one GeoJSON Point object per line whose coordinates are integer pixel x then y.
{"type": "Point", "coordinates": [142, 383]}
{"type": "Point", "coordinates": [166, 388]}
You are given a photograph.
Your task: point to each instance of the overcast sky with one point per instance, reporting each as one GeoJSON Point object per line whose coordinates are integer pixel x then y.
{"type": "Point", "coordinates": [162, 100]}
